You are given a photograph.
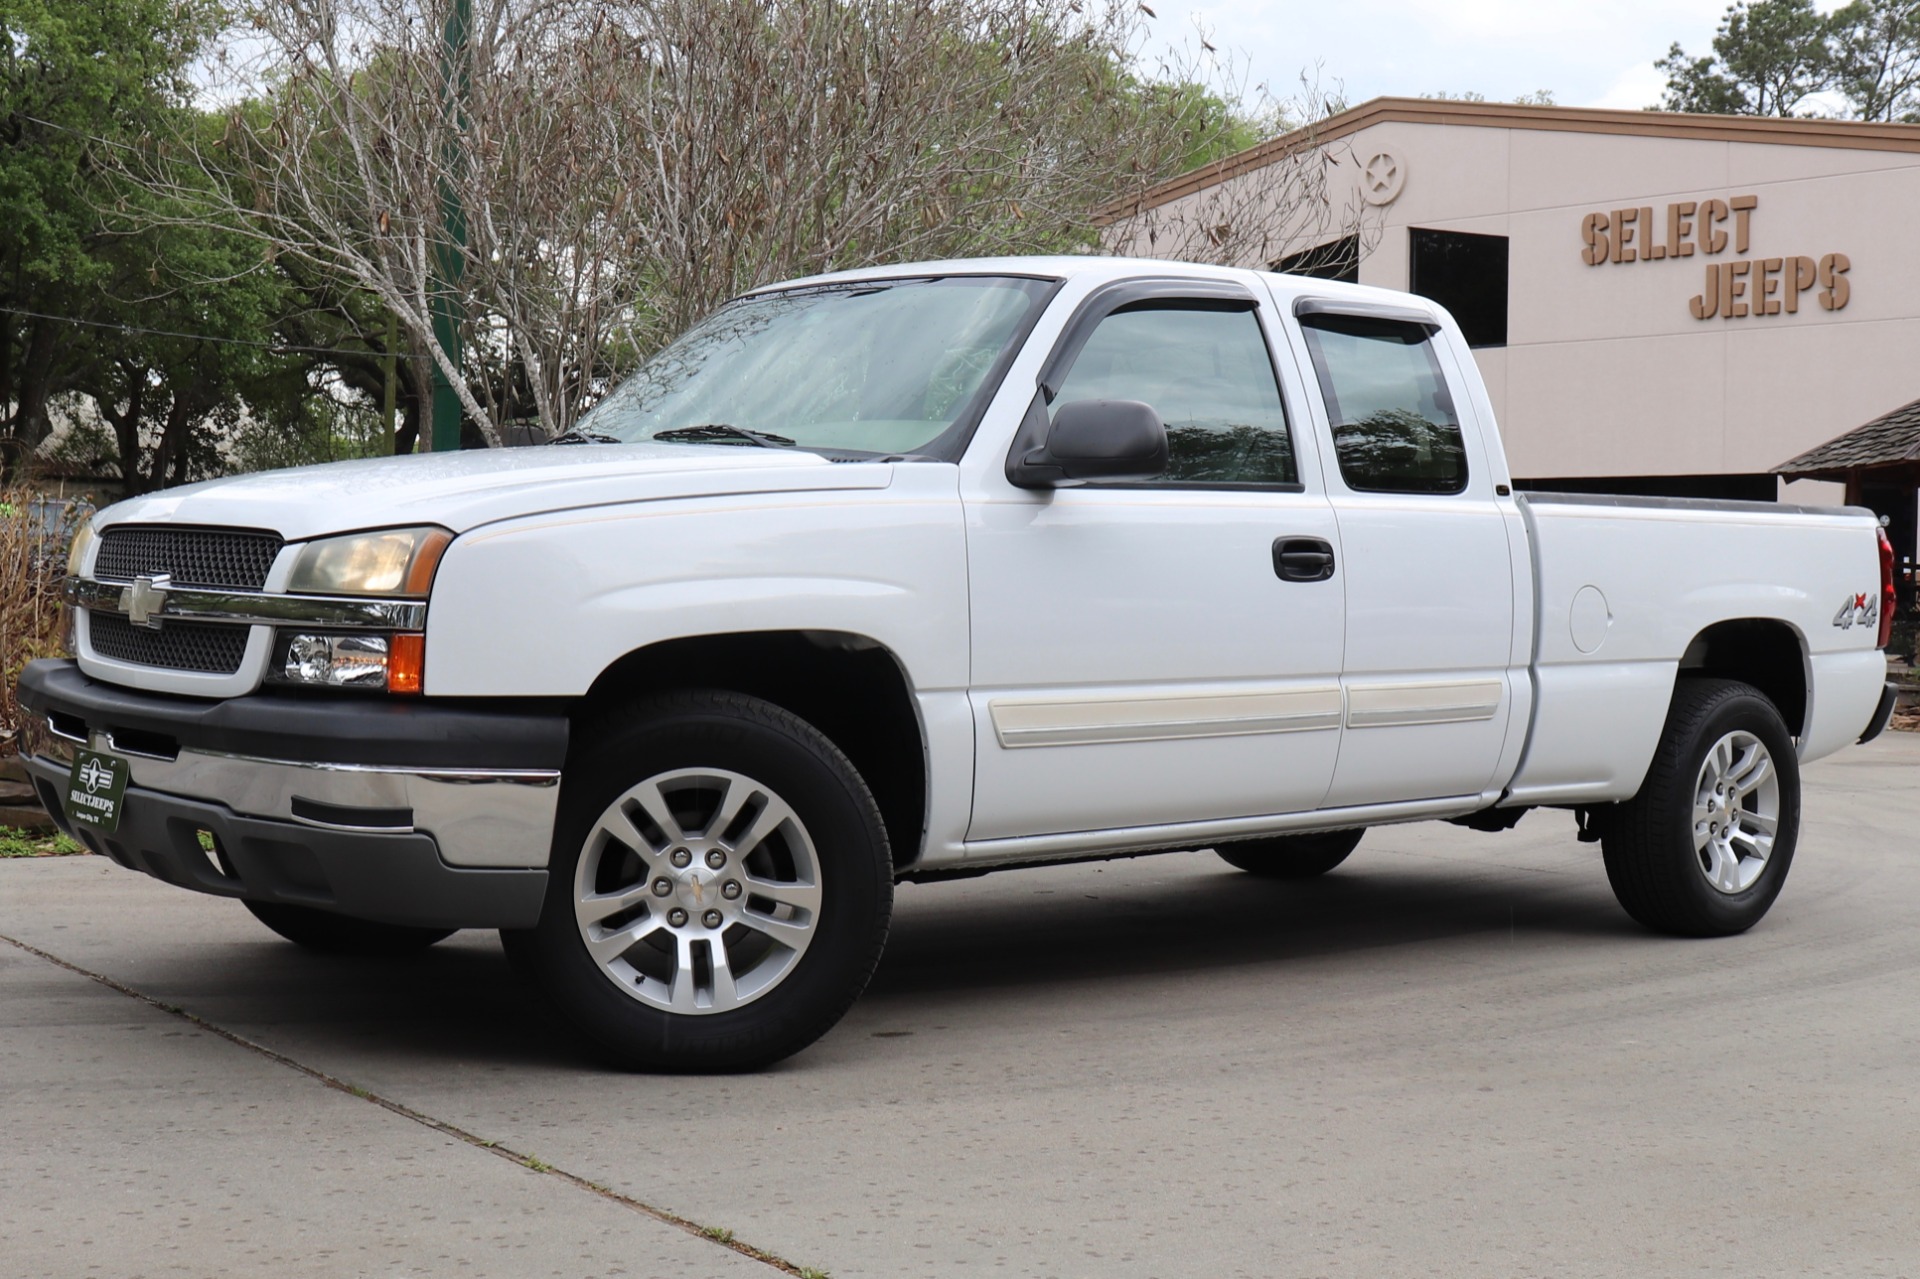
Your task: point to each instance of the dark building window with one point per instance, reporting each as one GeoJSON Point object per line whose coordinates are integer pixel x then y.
{"type": "Point", "coordinates": [1334, 260]}
{"type": "Point", "coordinates": [1467, 274]}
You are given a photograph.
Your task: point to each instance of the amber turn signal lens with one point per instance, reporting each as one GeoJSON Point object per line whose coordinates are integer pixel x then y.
{"type": "Point", "coordinates": [426, 558]}
{"type": "Point", "coordinates": [406, 663]}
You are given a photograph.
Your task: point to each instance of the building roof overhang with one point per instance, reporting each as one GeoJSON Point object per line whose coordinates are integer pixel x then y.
{"type": "Point", "coordinates": [1890, 443]}
{"type": "Point", "coordinates": [1853, 135]}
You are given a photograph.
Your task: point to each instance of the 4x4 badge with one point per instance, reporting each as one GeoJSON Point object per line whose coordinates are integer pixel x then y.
{"type": "Point", "coordinates": [1859, 610]}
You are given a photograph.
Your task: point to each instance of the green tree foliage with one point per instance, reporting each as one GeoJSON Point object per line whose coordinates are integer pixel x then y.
{"type": "Point", "coordinates": [69, 73]}
{"type": "Point", "coordinates": [1771, 57]}
{"type": "Point", "coordinates": [111, 304]}
{"type": "Point", "coordinates": [1875, 47]}
{"type": "Point", "coordinates": [1211, 126]}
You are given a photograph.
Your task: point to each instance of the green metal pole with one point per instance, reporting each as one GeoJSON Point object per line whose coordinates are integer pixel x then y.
{"type": "Point", "coordinates": [387, 369]}
{"type": "Point", "coordinates": [450, 254]}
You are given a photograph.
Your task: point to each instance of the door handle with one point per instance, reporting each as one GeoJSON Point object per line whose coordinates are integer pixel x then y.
{"type": "Point", "coordinates": [1302, 559]}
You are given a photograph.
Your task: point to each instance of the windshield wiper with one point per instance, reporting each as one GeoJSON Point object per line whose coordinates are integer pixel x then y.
{"type": "Point", "coordinates": [714, 432]}
{"type": "Point", "coordinates": [574, 435]}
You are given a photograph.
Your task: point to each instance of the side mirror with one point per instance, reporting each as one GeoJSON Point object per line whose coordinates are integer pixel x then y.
{"type": "Point", "coordinates": [1090, 440]}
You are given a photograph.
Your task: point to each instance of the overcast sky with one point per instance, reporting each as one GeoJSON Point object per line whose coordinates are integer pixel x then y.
{"type": "Point", "coordinates": [1598, 53]}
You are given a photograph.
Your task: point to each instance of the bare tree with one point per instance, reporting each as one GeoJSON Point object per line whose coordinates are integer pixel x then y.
{"type": "Point", "coordinates": [1293, 193]}
{"type": "Point", "coordinates": [624, 166]}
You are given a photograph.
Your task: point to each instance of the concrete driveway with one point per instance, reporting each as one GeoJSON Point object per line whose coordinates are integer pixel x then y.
{"type": "Point", "coordinates": [1454, 1056]}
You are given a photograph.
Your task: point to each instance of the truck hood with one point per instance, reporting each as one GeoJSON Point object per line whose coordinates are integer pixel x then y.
{"type": "Point", "coordinates": [460, 491]}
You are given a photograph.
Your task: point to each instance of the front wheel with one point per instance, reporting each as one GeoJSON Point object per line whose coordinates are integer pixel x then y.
{"type": "Point", "coordinates": [719, 890]}
{"type": "Point", "coordinates": [1292, 856]}
{"type": "Point", "coordinates": [1703, 849]}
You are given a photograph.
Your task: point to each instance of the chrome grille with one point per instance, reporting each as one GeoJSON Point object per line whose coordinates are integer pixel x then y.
{"type": "Point", "coordinates": [218, 559]}
{"type": "Point", "coordinates": [207, 648]}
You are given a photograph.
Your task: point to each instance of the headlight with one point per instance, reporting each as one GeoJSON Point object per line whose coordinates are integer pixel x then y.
{"type": "Point", "coordinates": [394, 561]}
{"type": "Point", "coordinates": [77, 552]}
{"type": "Point", "coordinates": [377, 663]}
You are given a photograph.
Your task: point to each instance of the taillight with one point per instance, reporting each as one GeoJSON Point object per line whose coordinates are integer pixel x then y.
{"type": "Point", "coordinates": [1888, 600]}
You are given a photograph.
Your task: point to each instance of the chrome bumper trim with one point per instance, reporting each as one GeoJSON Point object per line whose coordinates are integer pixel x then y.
{"type": "Point", "coordinates": [55, 730]}
{"type": "Point", "coordinates": [330, 612]}
{"type": "Point", "coordinates": [478, 817]}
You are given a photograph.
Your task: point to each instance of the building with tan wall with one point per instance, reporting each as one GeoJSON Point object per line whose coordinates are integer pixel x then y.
{"type": "Point", "coordinates": [1659, 303]}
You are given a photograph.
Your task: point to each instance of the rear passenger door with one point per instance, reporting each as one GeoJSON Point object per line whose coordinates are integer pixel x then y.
{"type": "Point", "coordinates": [1430, 590]}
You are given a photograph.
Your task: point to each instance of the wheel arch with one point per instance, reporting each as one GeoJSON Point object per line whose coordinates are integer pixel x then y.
{"type": "Point", "coordinates": [851, 687]}
{"type": "Point", "coordinates": [1767, 653]}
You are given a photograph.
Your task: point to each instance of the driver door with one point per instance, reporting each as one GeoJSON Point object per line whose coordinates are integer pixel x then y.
{"type": "Point", "coordinates": [1139, 656]}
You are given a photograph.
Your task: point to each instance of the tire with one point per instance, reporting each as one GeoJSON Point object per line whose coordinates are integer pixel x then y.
{"type": "Point", "coordinates": [1292, 856]}
{"type": "Point", "coordinates": [1687, 859]}
{"type": "Point", "coordinates": [707, 826]}
{"type": "Point", "coordinates": [331, 934]}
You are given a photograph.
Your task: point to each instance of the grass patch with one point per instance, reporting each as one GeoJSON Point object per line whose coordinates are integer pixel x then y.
{"type": "Point", "coordinates": [536, 1163]}
{"type": "Point", "coordinates": [718, 1233]}
{"type": "Point", "coordinates": [808, 1272]}
{"type": "Point", "coordinates": [27, 843]}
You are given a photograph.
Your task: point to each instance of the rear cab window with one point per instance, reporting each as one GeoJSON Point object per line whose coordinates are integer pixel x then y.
{"type": "Point", "coordinates": [1395, 426]}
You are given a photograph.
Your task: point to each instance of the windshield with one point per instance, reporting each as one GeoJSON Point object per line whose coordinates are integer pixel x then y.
{"type": "Point", "coordinates": [879, 367]}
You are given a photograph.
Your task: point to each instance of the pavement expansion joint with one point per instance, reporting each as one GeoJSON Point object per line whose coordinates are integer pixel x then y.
{"type": "Point", "coordinates": [710, 1234]}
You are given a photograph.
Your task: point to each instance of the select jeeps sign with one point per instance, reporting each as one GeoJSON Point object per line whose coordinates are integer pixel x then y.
{"type": "Point", "coordinates": [96, 789]}
{"type": "Point", "coordinates": [1734, 289]}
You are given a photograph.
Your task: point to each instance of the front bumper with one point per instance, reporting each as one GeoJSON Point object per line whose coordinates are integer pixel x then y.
{"type": "Point", "coordinates": [403, 812]}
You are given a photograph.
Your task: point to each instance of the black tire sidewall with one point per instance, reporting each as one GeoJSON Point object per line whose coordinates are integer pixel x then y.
{"type": "Point", "coordinates": [1669, 889]}
{"type": "Point", "coordinates": [781, 752]}
{"type": "Point", "coordinates": [1292, 856]}
{"type": "Point", "coordinates": [330, 933]}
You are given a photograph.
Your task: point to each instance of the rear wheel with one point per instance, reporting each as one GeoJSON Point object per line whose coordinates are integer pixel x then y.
{"type": "Point", "coordinates": [719, 890]}
{"type": "Point", "coordinates": [1292, 856]}
{"type": "Point", "coordinates": [332, 934]}
{"type": "Point", "coordinates": [1704, 848]}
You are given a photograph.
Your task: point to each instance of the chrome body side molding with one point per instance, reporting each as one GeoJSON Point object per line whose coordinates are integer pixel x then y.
{"type": "Point", "coordinates": [1145, 719]}
{"type": "Point", "coordinates": [1396, 705]}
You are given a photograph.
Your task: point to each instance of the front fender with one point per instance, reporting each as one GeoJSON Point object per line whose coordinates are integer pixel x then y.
{"type": "Point", "coordinates": [539, 606]}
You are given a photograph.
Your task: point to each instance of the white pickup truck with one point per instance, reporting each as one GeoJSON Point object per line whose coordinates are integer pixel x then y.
{"type": "Point", "coordinates": [924, 571]}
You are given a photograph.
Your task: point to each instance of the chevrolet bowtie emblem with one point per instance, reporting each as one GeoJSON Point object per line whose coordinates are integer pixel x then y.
{"type": "Point", "coordinates": [144, 601]}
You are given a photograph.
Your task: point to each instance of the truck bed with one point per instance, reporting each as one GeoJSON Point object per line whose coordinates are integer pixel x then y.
{"type": "Point", "coordinates": [1624, 584]}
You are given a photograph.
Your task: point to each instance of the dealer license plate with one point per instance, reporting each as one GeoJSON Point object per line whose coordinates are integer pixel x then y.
{"type": "Point", "coordinates": [97, 790]}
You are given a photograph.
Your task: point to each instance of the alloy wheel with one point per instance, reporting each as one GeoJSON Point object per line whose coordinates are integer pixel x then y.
{"type": "Point", "coordinates": [1736, 812]}
{"type": "Point", "coordinates": [698, 891]}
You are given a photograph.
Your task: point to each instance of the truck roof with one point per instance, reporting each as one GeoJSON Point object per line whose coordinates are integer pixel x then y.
{"type": "Point", "coordinates": [1101, 268]}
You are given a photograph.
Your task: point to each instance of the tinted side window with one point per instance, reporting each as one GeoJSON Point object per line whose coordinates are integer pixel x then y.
{"type": "Point", "coordinates": [1394, 425]}
{"type": "Point", "coordinates": [1208, 374]}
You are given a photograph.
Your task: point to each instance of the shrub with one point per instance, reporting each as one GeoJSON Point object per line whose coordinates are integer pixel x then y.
{"type": "Point", "coordinates": [35, 531]}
